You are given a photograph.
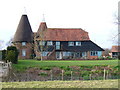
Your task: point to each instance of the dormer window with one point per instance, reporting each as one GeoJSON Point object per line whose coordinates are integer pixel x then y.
{"type": "Point", "coordinates": [23, 43]}
{"type": "Point", "coordinates": [78, 43]}
{"type": "Point", "coordinates": [71, 43]}
{"type": "Point", "coordinates": [49, 43]}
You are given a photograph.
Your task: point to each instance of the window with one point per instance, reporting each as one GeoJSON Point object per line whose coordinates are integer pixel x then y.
{"type": "Point", "coordinates": [66, 53]}
{"type": "Point", "coordinates": [94, 53]}
{"type": "Point", "coordinates": [77, 54]}
{"type": "Point", "coordinates": [42, 43]}
{"type": "Point", "coordinates": [49, 43]}
{"type": "Point", "coordinates": [23, 43]}
{"type": "Point", "coordinates": [23, 52]}
{"type": "Point", "coordinates": [44, 53]}
{"type": "Point", "coordinates": [57, 45]}
{"type": "Point", "coordinates": [70, 43]}
{"type": "Point", "coordinates": [83, 54]}
{"type": "Point", "coordinates": [78, 43]}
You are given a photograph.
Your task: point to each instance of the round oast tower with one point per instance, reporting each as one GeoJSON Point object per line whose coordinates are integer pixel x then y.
{"type": "Point", "coordinates": [23, 38]}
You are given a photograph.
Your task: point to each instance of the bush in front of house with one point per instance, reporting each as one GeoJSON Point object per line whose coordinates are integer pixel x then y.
{"type": "Point", "coordinates": [12, 54]}
{"type": "Point", "coordinates": [4, 55]}
{"type": "Point", "coordinates": [119, 57]}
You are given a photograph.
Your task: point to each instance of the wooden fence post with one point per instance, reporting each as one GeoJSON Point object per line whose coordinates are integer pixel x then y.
{"type": "Point", "coordinates": [90, 77]}
{"type": "Point", "coordinates": [107, 75]}
{"type": "Point", "coordinates": [62, 75]}
{"type": "Point", "coordinates": [104, 74]}
{"type": "Point", "coordinates": [51, 75]}
{"type": "Point", "coordinates": [71, 75]}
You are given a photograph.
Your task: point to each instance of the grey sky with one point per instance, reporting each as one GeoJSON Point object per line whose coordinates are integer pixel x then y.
{"type": "Point", "coordinates": [94, 16]}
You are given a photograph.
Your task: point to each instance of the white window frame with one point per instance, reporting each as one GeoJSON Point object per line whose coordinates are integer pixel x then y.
{"type": "Point", "coordinates": [44, 53]}
{"type": "Point", "coordinates": [49, 43]}
{"type": "Point", "coordinates": [66, 53]}
{"type": "Point", "coordinates": [42, 43]}
{"type": "Point", "coordinates": [23, 52]}
{"type": "Point", "coordinates": [23, 43]}
{"type": "Point", "coordinates": [71, 43]}
{"type": "Point", "coordinates": [78, 43]}
{"type": "Point", "coordinates": [94, 53]}
{"type": "Point", "coordinates": [57, 43]}
{"type": "Point", "coordinates": [57, 47]}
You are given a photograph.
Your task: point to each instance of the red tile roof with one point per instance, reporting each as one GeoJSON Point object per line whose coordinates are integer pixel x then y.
{"type": "Point", "coordinates": [115, 49]}
{"type": "Point", "coordinates": [64, 34]}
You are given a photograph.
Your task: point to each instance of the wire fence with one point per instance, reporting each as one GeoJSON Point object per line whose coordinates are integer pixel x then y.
{"type": "Point", "coordinates": [12, 77]}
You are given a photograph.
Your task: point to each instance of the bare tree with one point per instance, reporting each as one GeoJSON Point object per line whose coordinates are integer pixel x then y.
{"type": "Point", "coordinates": [9, 43]}
{"type": "Point", "coordinates": [106, 52]}
{"type": "Point", "coordinates": [116, 34]}
{"type": "Point", "coordinates": [39, 44]}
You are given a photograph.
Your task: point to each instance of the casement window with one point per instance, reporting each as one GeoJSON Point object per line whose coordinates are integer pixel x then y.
{"type": "Point", "coordinates": [83, 54]}
{"type": "Point", "coordinates": [23, 52]}
{"type": "Point", "coordinates": [49, 43]}
{"type": "Point", "coordinates": [57, 45]}
{"type": "Point", "coordinates": [42, 43]}
{"type": "Point", "coordinates": [94, 53]}
{"type": "Point", "coordinates": [78, 43]}
{"type": "Point", "coordinates": [23, 43]}
{"type": "Point", "coordinates": [66, 53]}
{"type": "Point", "coordinates": [70, 43]}
{"type": "Point", "coordinates": [45, 53]}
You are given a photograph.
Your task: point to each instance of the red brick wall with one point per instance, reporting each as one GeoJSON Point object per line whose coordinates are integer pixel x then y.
{"type": "Point", "coordinates": [91, 57]}
{"type": "Point", "coordinates": [28, 47]}
{"type": "Point", "coordinates": [52, 56]}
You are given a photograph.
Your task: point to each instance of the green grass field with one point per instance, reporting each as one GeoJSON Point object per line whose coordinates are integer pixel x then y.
{"type": "Point", "coordinates": [23, 64]}
{"type": "Point", "coordinates": [63, 84]}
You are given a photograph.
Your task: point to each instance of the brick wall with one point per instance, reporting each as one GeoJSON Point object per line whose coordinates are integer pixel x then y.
{"type": "Point", "coordinates": [28, 48]}
{"type": "Point", "coordinates": [91, 57]}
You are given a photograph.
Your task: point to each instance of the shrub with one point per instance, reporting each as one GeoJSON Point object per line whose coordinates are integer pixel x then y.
{"type": "Point", "coordinates": [101, 58]}
{"type": "Point", "coordinates": [119, 56]}
{"type": "Point", "coordinates": [108, 57]}
{"type": "Point", "coordinates": [4, 55]}
{"type": "Point", "coordinates": [67, 73]}
{"type": "Point", "coordinates": [45, 68]}
{"type": "Point", "coordinates": [12, 54]}
{"type": "Point", "coordinates": [43, 74]}
{"type": "Point", "coordinates": [0, 55]}
{"type": "Point", "coordinates": [86, 77]}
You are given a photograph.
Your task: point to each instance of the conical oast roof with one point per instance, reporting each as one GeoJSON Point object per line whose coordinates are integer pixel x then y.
{"type": "Point", "coordinates": [42, 27]}
{"type": "Point", "coordinates": [24, 32]}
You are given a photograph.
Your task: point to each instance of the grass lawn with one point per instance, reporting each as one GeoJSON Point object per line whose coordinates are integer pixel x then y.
{"type": "Point", "coordinates": [63, 84]}
{"type": "Point", "coordinates": [23, 64]}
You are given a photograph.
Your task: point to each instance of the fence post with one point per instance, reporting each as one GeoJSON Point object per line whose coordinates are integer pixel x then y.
{"type": "Point", "coordinates": [107, 75]}
{"type": "Point", "coordinates": [90, 77]}
{"type": "Point", "coordinates": [104, 74]}
{"type": "Point", "coordinates": [71, 75]}
{"type": "Point", "coordinates": [62, 75]}
{"type": "Point", "coordinates": [51, 75]}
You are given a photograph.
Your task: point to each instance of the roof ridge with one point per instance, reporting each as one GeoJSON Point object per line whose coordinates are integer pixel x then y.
{"type": "Point", "coordinates": [65, 28]}
{"type": "Point", "coordinates": [69, 29]}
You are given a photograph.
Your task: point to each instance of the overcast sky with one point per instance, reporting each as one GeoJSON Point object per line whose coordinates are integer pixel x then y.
{"type": "Point", "coordinates": [95, 16]}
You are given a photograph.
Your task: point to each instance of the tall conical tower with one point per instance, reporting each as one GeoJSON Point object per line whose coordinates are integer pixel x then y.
{"type": "Point", "coordinates": [23, 38]}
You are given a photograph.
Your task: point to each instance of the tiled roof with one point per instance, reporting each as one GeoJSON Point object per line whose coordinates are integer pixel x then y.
{"type": "Point", "coordinates": [64, 34]}
{"type": "Point", "coordinates": [24, 31]}
{"type": "Point", "coordinates": [115, 49]}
